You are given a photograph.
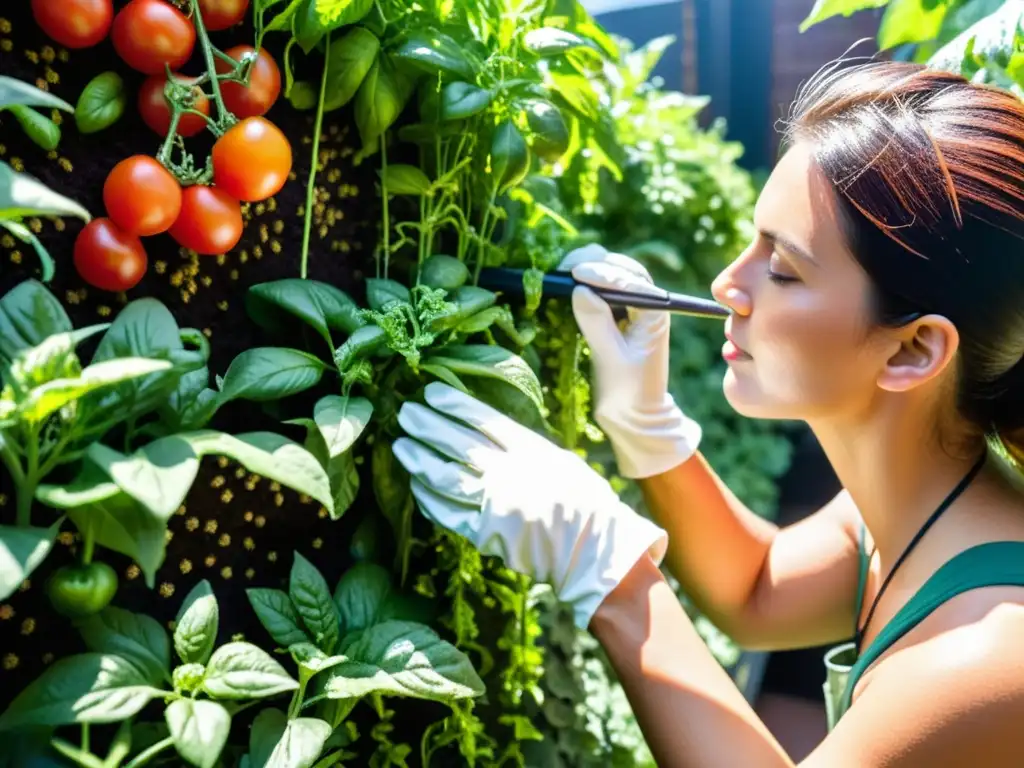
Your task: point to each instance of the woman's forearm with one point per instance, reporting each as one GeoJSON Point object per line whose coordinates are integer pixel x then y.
{"type": "Point", "coordinates": [717, 546]}
{"type": "Point", "coordinates": [690, 711]}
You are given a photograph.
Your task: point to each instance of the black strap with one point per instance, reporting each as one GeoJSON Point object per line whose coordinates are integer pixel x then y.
{"type": "Point", "coordinates": [946, 503]}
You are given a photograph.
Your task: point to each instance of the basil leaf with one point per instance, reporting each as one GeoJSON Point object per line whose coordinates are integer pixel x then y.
{"type": "Point", "coordinates": [133, 636]}
{"type": "Point", "coordinates": [361, 595]}
{"type": "Point", "coordinates": [311, 597]}
{"type": "Point", "coordinates": [405, 180]}
{"type": "Point", "coordinates": [86, 688]}
{"type": "Point", "coordinates": [380, 292]}
{"type": "Point", "coordinates": [461, 100]}
{"type": "Point", "coordinates": [101, 104]}
{"type": "Point", "coordinates": [190, 405]}
{"type": "Point", "coordinates": [379, 101]}
{"type": "Point", "coordinates": [29, 314]}
{"type": "Point", "coordinates": [243, 671]}
{"type": "Point", "coordinates": [13, 91]}
{"type": "Point", "coordinates": [824, 9]}
{"type": "Point", "coordinates": [39, 128]}
{"type": "Point", "coordinates": [301, 743]}
{"type": "Point", "coordinates": [195, 629]}
{"type": "Point", "coordinates": [277, 615]}
{"type": "Point", "coordinates": [21, 552]}
{"type": "Point", "coordinates": [494, 362]}
{"type": "Point", "coordinates": [431, 51]}
{"type": "Point", "coordinates": [551, 41]}
{"type": "Point", "coordinates": [200, 730]}
{"type": "Point", "coordinates": [405, 659]}
{"type": "Point", "coordinates": [267, 729]}
{"type": "Point", "coordinates": [550, 133]}
{"type": "Point", "coordinates": [322, 306]}
{"type": "Point", "coordinates": [443, 271]}
{"type": "Point", "coordinates": [307, 30]}
{"type": "Point", "coordinates": [510, 156]}
{"type": "Point", "coordinates": [468, 300]}
{"type": "Point", "coordinates": [341, 420]}
{"type": "Point", "coordinates": [338, 13]}
{"type": "Point", "coordinates": [270, 373]}
{"type": "Point", "coordinates": [349, 60]}
{"type": "Point", "coordinates": [22, 195]}
{"type": "Point", "coordinates": [26, 235]}
{"type": "Point", "coordinates": [53, 395]}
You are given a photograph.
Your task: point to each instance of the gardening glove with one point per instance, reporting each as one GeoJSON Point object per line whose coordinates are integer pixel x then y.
{"type": "Point", "coordinates": [514, 494]}
{"type": "Point", "coordinates": [648, 432]}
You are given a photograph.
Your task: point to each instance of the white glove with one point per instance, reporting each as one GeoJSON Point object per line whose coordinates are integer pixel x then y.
{"type": "Point", "coordinates": [649, 434]}
{"type": "Point", "coordinates": [514, 494]}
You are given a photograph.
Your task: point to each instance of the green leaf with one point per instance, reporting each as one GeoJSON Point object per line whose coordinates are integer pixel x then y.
{"type": "Point", "coordinates": [550, 133]}
{"type": "Point", "coordinates": [101, 104]}
{"type": "Point", "coordinates": [270, 455]}
{"type": "Point", "coordinates": [361, 595]}
{"type": "Point", "coordinates": [13, 91]}
{"type": "Point", "coordinates": [910, 21]}
{"type": "Point", "coordinates": [301, 743]}
{"type": "Point", "coordinates": [243, 671]}
{"type": "Point", "coordinates": [550, 41]}
{"type": "Point", "coordinates": [22, 549]}
{"type": "Point", "coordinates": [26, 235]}
{"type": "Point", "coordinates": [405, 180]}
{"type": "Point", "coordinates": [195, 628]}
{"type": "Point", "coordinates": [445, 375]}
{"type": "Point", "coordinates": [443, 271]}
{"type": "Point", "coordinates": [200, 730]}
{"type": "Point", "coordinates": [510, 156]}
{"type": "Point", "coordinates": [311, 597]}
{"type": "Point", "coordinates": [320, 305]}
{"type": "Point", "coordinates": [53, 395]}
{"type": "Point", "coordinates": [494, 362]}
{"type": "Point", "coordinates": [392, 490]}
{"type": "Point", "coordinates": [341, 468]}
{"type": "Point", "coordinates": [380, 100]}
{"type": "Point", "coordinates": [993, 38]}
{"type": "Point", "coordinates": [432, 52]}
{"type": "Point", "coordinates": [86, 688]}
{"type": "Point", "coordinates": [38, 127]}
{"type": "Point", "coordinates": [22, 195]}
{"type": "Point", "coordinates": [191, 404]}
{"type": "Point", "coordinates": [267, 729]}
{"type": "Point", "coordinates": [404, 659]}
{"type": "Point", "coordinates": [461, 100]}
{"type": "Point", "coordinates": [350, 58]}
{"type": "Point", "coordinates": [307, 29]}
{"type": "Point", "coordinates": [381, 291]}
{"type": "Point", "coordinates": [278, 616]}
{"type": "Point", "coordinates": [270, 373]}
{"type": "Point", "coordinates": [133, 636]}
{"type": "Point", "coordinates": [826, 9]}
{"type": "Point", "coordinates": [468, 300]}
{"type": "Point", "coordinates": [338, 13]}
{"type": "Point", "coordinates": [29, 314]}
{"type": "Point", "coordinates": [144, 328]}
{"type": "Point", "coordinates": [341, 421]}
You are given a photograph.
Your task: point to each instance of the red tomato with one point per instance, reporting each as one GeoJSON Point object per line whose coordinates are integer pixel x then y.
{"type": "Point", "coordinates": [74, 23]}
{"type": "Point", "coordinates": [264, 83]}
{"type": "Point", "coordinates": [109, 258]}
{"type": "Point", "coordinates": [210, 222]}
{"type": "Point", "coordinates": [142, 197]}
{"type": "Point", "coordinates": [221, 14]}
{"type": "Point", "coordinates": [150, 33]}
{"type": "Point", "coordinates": [156, 113]}
{"type": "Point", "coordinates": [252, 160]}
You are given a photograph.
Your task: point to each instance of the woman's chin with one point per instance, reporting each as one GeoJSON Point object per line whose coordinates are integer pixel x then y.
{"type": "Point", "coordinates": [746, 397]}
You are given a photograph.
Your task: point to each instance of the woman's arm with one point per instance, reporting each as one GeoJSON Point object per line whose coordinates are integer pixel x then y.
{"type": "Point", "coordinates": [953, 698]}
{"type": "Point", "coordinates": [764, 586]}
{"type": "Point", "coordinates": [689, 709]}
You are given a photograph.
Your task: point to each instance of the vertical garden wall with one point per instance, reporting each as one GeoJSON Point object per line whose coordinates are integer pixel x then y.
{"type": "Point", "coordinates": [208, 555]}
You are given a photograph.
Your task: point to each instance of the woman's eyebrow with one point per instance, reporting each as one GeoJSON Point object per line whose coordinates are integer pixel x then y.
{"type": "Point", "coordinates": [789, 246]}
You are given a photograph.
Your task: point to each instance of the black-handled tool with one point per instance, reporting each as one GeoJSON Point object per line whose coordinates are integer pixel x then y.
{"type": "Point", "coordinates": [561, 285]}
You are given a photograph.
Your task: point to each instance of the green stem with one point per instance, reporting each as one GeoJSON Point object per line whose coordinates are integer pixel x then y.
{"type": "Point", "coordinates": [307, 224]}
{"type": "Point", "coordinates": [484, 237]}
{"type": "Point", "coordinates": [27, 490]}
{"type": "Point", "coordinates": [164, 155]}
{"type": "Point", "coordinates": [85, 737]}
{"type": "Point", "coordinates": [384, 195]}
{"type": "Point", "coordinates": [296, 703]}
{"type": "Point", "coordinates": [88, 546]}
{"type": "Point", "coordinates": [211, 67]}
{"type": "Point", "coordinates": [146, 755]}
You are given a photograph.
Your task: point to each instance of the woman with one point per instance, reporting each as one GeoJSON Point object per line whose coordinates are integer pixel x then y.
{"type": "Point", "coordinates": [882, 303]}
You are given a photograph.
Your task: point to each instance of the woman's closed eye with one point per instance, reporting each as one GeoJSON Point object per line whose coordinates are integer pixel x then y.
{"type": "Point", "coordinates": [779, 274]}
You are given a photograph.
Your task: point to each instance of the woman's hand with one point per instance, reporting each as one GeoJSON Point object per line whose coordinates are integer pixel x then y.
{"type": "Point", "coordinates": [514, 494]}
{"type": "Point", "coordinates": [647, 430]}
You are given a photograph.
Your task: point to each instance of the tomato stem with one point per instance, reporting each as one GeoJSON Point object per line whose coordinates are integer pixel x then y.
{"type": "Point", "coordinates": [88, 543]}
{"type": "Point", "coordinates": [224, 117]}
{"type": "Point", "coordinates": [307, 223]}
{"type": "Point", "coordinates": [386, 235]}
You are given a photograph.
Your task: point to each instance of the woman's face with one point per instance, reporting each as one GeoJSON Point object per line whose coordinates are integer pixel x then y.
{"type": "Point", "coordinates": [801, 345]}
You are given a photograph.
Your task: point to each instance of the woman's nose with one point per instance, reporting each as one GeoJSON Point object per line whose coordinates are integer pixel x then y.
{"type": "Point", "coordinates": [727, 292]}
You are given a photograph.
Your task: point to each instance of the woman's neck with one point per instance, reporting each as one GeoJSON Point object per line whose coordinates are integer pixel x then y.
{"type": "Point", "coordinates": [896, 472]}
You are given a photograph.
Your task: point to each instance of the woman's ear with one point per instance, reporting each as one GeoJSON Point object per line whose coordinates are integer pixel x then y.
{"type": "Point", "coordinates": [926, 348]}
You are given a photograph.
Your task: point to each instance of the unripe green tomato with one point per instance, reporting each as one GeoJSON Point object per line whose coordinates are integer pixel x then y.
{"type": "Point", "coordinates": [79, 590]}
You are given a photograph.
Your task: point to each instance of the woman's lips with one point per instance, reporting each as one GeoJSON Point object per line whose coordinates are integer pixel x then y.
{"type": "Point", "coordinates": [732, 352]}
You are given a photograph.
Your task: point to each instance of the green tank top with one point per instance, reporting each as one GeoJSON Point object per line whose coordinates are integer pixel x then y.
{"type": "Point", "coordinates": [997, 563]}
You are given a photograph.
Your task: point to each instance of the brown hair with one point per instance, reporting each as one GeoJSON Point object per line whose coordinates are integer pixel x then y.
{"type": "Point", "coordinates": [928, 170]}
